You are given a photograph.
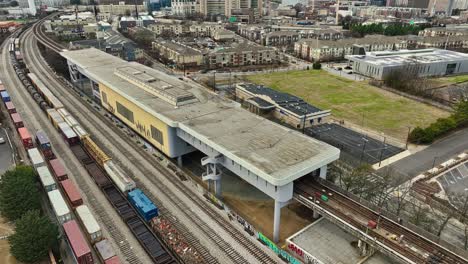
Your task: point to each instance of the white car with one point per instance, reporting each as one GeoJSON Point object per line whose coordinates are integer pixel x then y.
{"type": "Point", "coordinates": [2, 140]}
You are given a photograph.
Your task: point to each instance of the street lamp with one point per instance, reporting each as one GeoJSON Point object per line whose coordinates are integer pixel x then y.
{"type": "Point", "coordinates": [407, 137]}
{"type": "Point", "coordinates": [433, 162]}
{"type": "Point", "coordinates": [363, 149]}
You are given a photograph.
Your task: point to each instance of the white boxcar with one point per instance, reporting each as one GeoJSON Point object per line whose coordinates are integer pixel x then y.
{"type": "Point", "coordinates": [62, 212]}
{"type": "Point", "coordinates": [123, 182]}
{"type": "Point", "coordinates": [36, 158]}
{"type": "Point", "coordinates": [104, 249]}
{"type": "Point", "coordinates": [93, 230]}
{"type": "Point", "coordinates": [47, 180]}
{"type": "Point", "coordinates": [79, 130]}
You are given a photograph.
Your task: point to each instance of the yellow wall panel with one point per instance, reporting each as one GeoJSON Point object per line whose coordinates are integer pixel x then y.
{"type": "Point", "coordinates": [142, 119]}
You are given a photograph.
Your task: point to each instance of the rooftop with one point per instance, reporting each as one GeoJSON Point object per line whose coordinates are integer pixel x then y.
{"type": "Point", "coordinates": [277, 154]}
{"type": "Point", "coordinates": [179, 48]}
{"type": "Point", "coordinates": [284, 100]}
{"type": "Point", "coordinates": [395, 58]}
{"type": "Point", "coordinates": [370, 39]}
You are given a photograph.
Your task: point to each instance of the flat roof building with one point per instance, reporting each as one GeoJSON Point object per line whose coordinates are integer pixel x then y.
{"type": "Point", "coordinates": [423, 63]}
{"type": "Point", "coordinates": [179, 117]}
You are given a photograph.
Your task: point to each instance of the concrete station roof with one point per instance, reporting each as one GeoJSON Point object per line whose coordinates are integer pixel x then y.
{"type": "Point", "coordinates": [276, 153]}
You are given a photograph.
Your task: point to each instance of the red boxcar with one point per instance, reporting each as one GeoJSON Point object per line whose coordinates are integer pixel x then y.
{"type": "Point", "coordinates": [10, 107]}
{"type": "Point", "coordinates": [17, 120]}
{"type": "Point", "coordinates": [113, 260]}
{"type": "Point", "coordinates": [78, 243]}
{"type": "Point", "coordinates": [58, 170]}
{"type": "Point", "coordinates": [25, 137]}
{"type": "Point", "coordinates": [73, 195]}
{"type": "Point", "coordinates": [372, 224]}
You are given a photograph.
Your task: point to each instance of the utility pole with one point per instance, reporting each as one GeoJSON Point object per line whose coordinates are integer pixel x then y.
{"type": "Point", "coordinates": [407, 137]}
{"type": "Point", "coordinates": [381, 151]}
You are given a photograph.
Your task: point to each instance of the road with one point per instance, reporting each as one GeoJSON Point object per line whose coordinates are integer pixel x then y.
{"type": "Point", "coordinates": [6, 152]}
{"type": "Point", "coordinates": [440, 151]}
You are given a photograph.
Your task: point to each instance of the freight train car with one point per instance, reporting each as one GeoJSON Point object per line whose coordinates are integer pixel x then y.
{"type": "Point", "coordinates": [77, 242]}
{"type": "Point", "coordinates": [2, 88]}
{"type": "Point", "coordinates": [46, 178]}
{"type": "Point", "coordinates": [17, 121]}
{"type": "Point", "coordinates": [68, 134]}
{"type": "Point", "coordinates": [123, 182]}
{"type": "Point", "coordinates": [5, 96]}
{"type": "Point", "coordinates": [54, 117]}
{"type": "Point", "coordinates": [96, 153]}
{"type": "Point", "coordinates": [36, 158]}
{"type": "Point", "coordinates": [49, 97]}
{"type": "Point", "coordinates": [71, 193]}
{"type": "Point", "coordinates": [143, 204]}
{"type": "Point", "coordinates": [10, 107]}
{"type": "Point", "coordinates": [61, 210]}
{"type": "Point", "coordinates": [25, 138]}
{"type": "Point", "coordinates": [43, 143]}
{"type": "Point", "coordinates": [58, 170]}
{"type": "Point", "coordinates": [104, 250]}
{"type": "Point", "coordinates": [93, 230]}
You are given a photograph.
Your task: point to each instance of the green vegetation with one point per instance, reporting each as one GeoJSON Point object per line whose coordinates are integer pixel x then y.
{"type": "Point", "coordinates": [18, 192]}
{"type": "Point", "coordinates": [390, 30]}
{"type": "Point", "coordinates": [441, 126]}
{"type": "Point", "coordinates": [353, 101]}
{"type": "Point", "coordinates": [454, 79]}
{"type": "Point", "coordinates": [34, 236]}
{"type": "Point", "coordinates": [317, 66]}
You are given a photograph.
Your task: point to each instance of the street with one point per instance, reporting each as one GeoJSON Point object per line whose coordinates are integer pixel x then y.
{"type": "Point", "coordinates": [6, 153]}
{"type": "Point", "coordinates": [437, 153]}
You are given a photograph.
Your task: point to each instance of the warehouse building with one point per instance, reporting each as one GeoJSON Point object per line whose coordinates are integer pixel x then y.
{"type": "Point", "coordinates": [180, 117]}
{"type": "Point", "coordinates": [422, 63]}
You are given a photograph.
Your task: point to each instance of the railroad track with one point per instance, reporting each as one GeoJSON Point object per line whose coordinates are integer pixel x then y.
{"type": "Point", "coordinates": [105, 218]}
{"type": "Point", "coordinates": [97, 123]}
{"type": "Point", "coordinates": [41, 37]}
{"type": "Point", "coordinates": [431, 250]}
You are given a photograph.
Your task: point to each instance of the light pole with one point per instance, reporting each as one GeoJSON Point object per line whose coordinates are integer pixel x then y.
{"type": "Point", "coordinates": [363, 149]}
{"type": "Point", "coordinates": [381, 152]}
{"type": "Point", "coordinates": [433, 162]}
{"type": "Point", "coordinates": [407, 137]}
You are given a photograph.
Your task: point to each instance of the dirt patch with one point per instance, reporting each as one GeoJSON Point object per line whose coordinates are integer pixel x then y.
{"type": "Point", "coordinates": [294, 217]}
{"type": "Point", "coordinates": [5, 256]}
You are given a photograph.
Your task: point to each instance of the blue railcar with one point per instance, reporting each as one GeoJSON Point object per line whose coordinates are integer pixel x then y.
{"type": "Point", "coordinates": [5, 96]}
{"type": "Point", "coordinates": [143, 204]}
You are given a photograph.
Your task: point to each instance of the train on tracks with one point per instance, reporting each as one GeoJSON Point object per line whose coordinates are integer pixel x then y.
{"type": "Point", "coordinates": [132, 205]}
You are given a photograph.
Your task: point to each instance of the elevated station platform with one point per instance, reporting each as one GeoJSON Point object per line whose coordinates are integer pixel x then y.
{"type": "Point", "coordinates": [179, 117]}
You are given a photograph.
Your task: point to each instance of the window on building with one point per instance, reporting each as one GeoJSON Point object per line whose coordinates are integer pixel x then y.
{"type": "Point", "coordinates": [157, 135]}
{"type": "Point", "coordinates": [125, 112]}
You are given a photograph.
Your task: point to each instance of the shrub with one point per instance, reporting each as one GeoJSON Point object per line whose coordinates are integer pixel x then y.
{"type": "Point", "coordinates": [317, 66]}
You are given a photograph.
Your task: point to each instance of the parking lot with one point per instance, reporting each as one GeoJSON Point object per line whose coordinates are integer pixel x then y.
{"type": "Point", "coordinates": [343, 70]}
{"type": "Point", "coordinates": [354, 146]}
{"type": "Point", "coordinates": [455, 184]}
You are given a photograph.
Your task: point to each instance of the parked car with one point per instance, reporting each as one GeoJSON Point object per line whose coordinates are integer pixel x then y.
{"type": "Point", "coordinates": [2, 140]}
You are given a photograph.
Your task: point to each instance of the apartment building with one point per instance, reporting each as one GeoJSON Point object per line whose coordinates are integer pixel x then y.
{"type": "Point", "coordinates": [444, 31]}
{"type": "Point", "coordinates": [328, 50]}
{"type": "Point", "coordinates": [180, 54]}
{"type": "Point", "coordinates": [184, 7]}
{"type": "Point", "coordinates": [242, 54]}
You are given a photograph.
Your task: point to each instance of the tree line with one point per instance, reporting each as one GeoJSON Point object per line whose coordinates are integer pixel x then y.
{"type": "Point", "coordinates": [361, 30]}
{"type": "Point", "coordinates": [20, 203]}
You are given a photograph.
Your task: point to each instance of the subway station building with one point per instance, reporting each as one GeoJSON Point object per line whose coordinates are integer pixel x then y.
{"type": "Point", "coordinates": [179, 117]}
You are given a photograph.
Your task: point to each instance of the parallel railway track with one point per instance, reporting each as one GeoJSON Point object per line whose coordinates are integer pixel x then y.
{"type": "Point", "coordinates": [431, 253]}
{"type": "Point", "coordinates": [96, 122]}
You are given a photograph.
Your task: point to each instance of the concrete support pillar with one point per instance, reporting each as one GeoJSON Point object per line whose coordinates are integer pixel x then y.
{"type": "Point", "coordinates": [217, 184]}
{"type": "Point", "coordinates": [316, 214]}
{"type": "Point", "coordinates": [179, 161]}
{"type": "Point", "coordinates": [323, 172]}
{"type": "Point", "coordinates": [276, 221]}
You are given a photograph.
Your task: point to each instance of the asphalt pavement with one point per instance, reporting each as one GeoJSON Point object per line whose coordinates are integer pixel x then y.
{"type": "Point", "coordinates": [6, 153]}
{"type": "Point", "coordinates": [440, 151]}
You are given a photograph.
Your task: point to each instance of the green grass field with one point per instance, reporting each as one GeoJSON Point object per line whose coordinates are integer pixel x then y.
{"type": "Point", "coordinates": [352, 101]}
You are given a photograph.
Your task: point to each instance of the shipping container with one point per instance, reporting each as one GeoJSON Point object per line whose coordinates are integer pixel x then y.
{"type": "Point", "coordinates": [17, 121]}
{"type": "Point", "coordinates": [25, 137]}
{"type": "Point", "coordinates": [71, 192]}
{"type": "Point", "coordinates": [43, 143]}
{"type": "Point", "coordinates": [104, 250]}
{"type": "Point", "coordinates": [58, 170]}
{"type": "Point", "coordinates": [324, 198]}
{"type": "Point", "coordinates": [61, 210]}
{"type": "Point", "coordinates": [10, 107]}
{"type": "Point", "coordinates": [77, 242]}
{"type": "Point", "coordinates": [123, 182]}
{"type": "Point", "coordinates": [143, 204]}
{"type": "Point", "coordinates": [372, 224]}
{"type": "Point", "coordinates": [69, 135]}
{"type": "Point", "coordinates": [36, 158]}
{"type": "Point", "coordinates": [47, 180]}
{"type": "Point", "coordinates": [54, 117]}
{"type": "Point", "coordinates": [79, 130]}
{"type": "Point", "coordinates": [92, 228]}
{"type": "Point", "coordinates": [95, 151]}
{"type": "Point", "coordinates": [18, 55]}
{"type": "Point", "coordinates": [113, 260]}
{"type": "Point", "coordinates": [5, 96]}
